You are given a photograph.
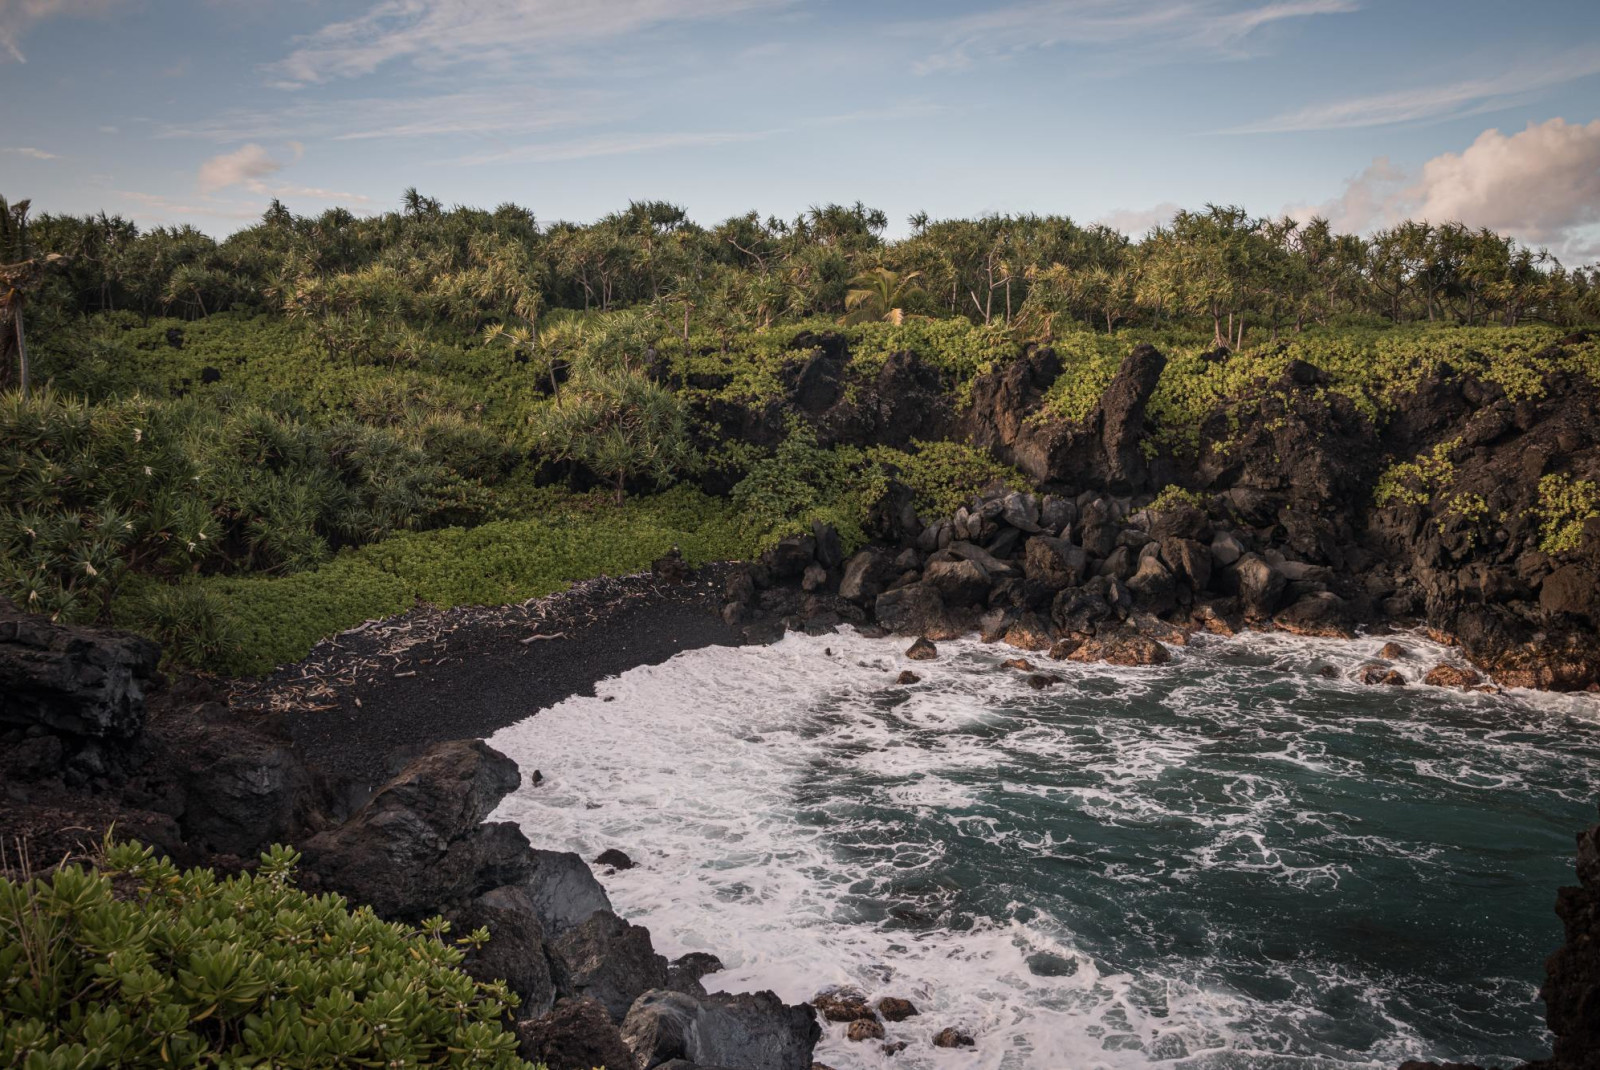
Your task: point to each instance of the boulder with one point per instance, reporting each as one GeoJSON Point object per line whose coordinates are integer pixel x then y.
{"type": "Point", "coordinates": [994, 625]}
{"type": "Point", "coordinates": [1226, 549]}
{"type": "Point", "coordinates": [1030, 632]}
{"type": "Point", "coordinates": [684, 972]}
{"type": "Point", "coordinates": [907, 678]}
{"type": "Point", "coordinates": [564, 890]}
{"type": "Point", "coordinates": [515, 951]}
{"type": "Point", "coordinates": [789, 558]}
{"type": "Point", "coordinates": [951, 1037]}
{"type": "Point", "coordinates": [72, 681]}
{"type": "Point", "coordinates": [1260, 586]}
{"type": "Point", "coordinates": [1451, 676]}
{"type": "Point", "coordinates": [867, 574]}
{"type": "Point", "coordinates": [1189, 560]}
{"type": "Point", "coordinates": [243, 789]}
{"type": "Point", "coordinates": [922, 650]}
{"type": "Point", "coordinates": [985, 560]}
{"type": "Point", "coordinates": [1381, 674]}
{"type": "Point", "coordinates": [577, 1034]}
{"type": "Point", "coordinates": [815, 578]}
{"type": "Point", "coordinates": [747, 1030]}
{"type": "Point", "coordinates": [829, 550]}
{"type": "Point", "coordinates": [614, 858]}
{"type": "Point", "coordinates": [864, 1029]}
{"type": "Point", "coordinates": [1122, 649]}
{"type": "Point", "coordinates": [1392, 652]}
{"type": "Point", "coordinates": [959, 583]}
{"type": "Point", "coordinates": [841, 1005]}
{"type": "Point", "coordinates": [1153, 587]}
{"type": "Point", "coordinates": [1021, 511]}
{"type": "Point", "coordinates": [1322, 614]}
{"type": "Point", "coordinates": [915, 609]}
{"type": "Point", "coordinates": [608, 960]}
{"type": "Point", "coordinates": [420, 844]}
{"type": "Point", "coordinates": [1055, 563]}
{"type": "Point", "coordinates": [1569, 589]}
{"type": "Point", "coordinates": [1056, 514]}
{"type": "Point", "coordinates": [895, 1009]}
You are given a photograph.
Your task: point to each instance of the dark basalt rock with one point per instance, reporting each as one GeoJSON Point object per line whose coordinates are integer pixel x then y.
{"type": "Point", "coordinates": [614, 858]}
{"type": "Point", "coordinates": [1571, 990]}
{"type": "Point", "coordinates": [78, 682]}
{"type": "Point", "coordinates": [751, 1030]}
{"type": "Point", "coordinates": [608, 960]}
{"type": "Point", "coordinates": [420, 843]}
{"type": "Point", "coordinates": [515, 951]}
{"type": "Point", "coordinates": [577, 1035]}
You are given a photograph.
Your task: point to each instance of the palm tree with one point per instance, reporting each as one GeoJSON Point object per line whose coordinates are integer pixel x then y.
{"type": "Point", "coordinates": [879, 296]}
{"type": "Point", "coordinates": [20, 275]}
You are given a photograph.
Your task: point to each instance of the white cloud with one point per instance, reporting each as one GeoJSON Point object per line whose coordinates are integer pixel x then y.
{"type": "Point", "coordinates": [1540, 185]}
{"type": "Point", "coordinates": [33, 154]}
{"type": "Point", "coordinates": [438, 33]}
{"type": "Point", "coordinates": [1136, 222]}
{"type": "Point", "coordinates": [1452, 100]}
{"type": "Point", "coordinates": [17, 17]}
{"type": "Point", "coordinates": [1212, 26]}
{"type": "Point", "coordinates": [231, 168]}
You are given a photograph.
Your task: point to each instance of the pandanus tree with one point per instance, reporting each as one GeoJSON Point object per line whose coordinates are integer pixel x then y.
{"type": "Point", "coordinates": [21, 273]}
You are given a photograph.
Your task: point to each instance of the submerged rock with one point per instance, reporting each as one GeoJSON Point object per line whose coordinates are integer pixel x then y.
{"type": "Point", "coordinates": [841, 1005]}
{"type": "Point", "coordinates": [907, 677]}
{"type": "Point", "coordinates": [614, 858]}
{"type": "Point", "coordinates": [951, 1037]}
{"type": "Point", "coordinates": [1451, 676]}
{"type": "Point", "coordinates": [895, 1009]}
{"type": "Point", "coordinates": [1122, 649]}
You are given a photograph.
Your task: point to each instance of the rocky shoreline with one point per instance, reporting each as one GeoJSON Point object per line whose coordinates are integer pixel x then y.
{"type": "Point", "coordinates": [365, 756]}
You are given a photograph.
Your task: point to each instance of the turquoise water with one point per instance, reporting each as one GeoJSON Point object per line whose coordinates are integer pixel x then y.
{"type": "Point", "coordinates": [1229, 860]}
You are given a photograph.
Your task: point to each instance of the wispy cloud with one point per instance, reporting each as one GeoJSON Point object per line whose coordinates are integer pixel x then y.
{"type": "Point", "coordinates": [1453, 100]}
{"type": "Point", "coordinates": [33, 154]}
{"type": "Point", "coordinates": [610, 145]}
{"type": "Point", "coordinates": [435, 34]}
{"type": "Point", "coordinates": [1218, 27]}
{"type": "Point", "coordinates": [501, 111]}
{"type": "Point", "coordinates": [17, 17]}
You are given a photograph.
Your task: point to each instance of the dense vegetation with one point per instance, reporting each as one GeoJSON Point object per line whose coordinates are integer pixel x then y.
{"type": "Point", "coordinates": [241, 446]}
{"type": "Point", "coordinates": [135, 964]}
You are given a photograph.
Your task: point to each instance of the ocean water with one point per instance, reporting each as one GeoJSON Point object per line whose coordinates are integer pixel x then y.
{"type": "Point", "coordinates": [1226, 861]}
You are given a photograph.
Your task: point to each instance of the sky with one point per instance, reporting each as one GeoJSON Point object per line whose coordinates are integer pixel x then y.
{"type": "Point", "coordinates": [1365, 111]}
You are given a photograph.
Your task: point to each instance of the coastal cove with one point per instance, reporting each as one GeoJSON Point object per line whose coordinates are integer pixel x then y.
{"type": "Point", "coordinates": [1231, 860]}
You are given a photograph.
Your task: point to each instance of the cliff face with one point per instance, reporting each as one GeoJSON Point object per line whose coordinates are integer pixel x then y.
{"type": "Point", "coordinates": [1571, 989]}
{"type": "Point", "coordinates": [1443, 514]}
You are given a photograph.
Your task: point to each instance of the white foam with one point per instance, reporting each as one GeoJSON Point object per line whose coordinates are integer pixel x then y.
{"type": "Point", "coordinates": [719, 773]}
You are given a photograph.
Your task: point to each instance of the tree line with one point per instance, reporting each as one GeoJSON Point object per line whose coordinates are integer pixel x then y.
{"type": "Point", "coordinates": [426, 267]}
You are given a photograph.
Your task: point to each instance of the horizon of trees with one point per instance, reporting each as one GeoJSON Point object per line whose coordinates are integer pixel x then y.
{"type": "Point", "coordinates": [383, 283]}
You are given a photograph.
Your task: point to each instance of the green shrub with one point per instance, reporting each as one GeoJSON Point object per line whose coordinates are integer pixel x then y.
{"type": "Point", "coordinates": [945, 475]}
{"type": "Point", "coordinates": [1416, 482]}
{"type": "Point", "coordinates": [803, 483]}
{"type": "Point", "coordinates": [135, 964]}
{"type": "Point", "coordinates": [1565, 505]}
{"type": "Point", "coordinates": [1173, 496]}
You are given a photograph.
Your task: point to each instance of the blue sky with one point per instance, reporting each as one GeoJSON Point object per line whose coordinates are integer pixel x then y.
{"type": "Point", "coordinates": [1366, 110]}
